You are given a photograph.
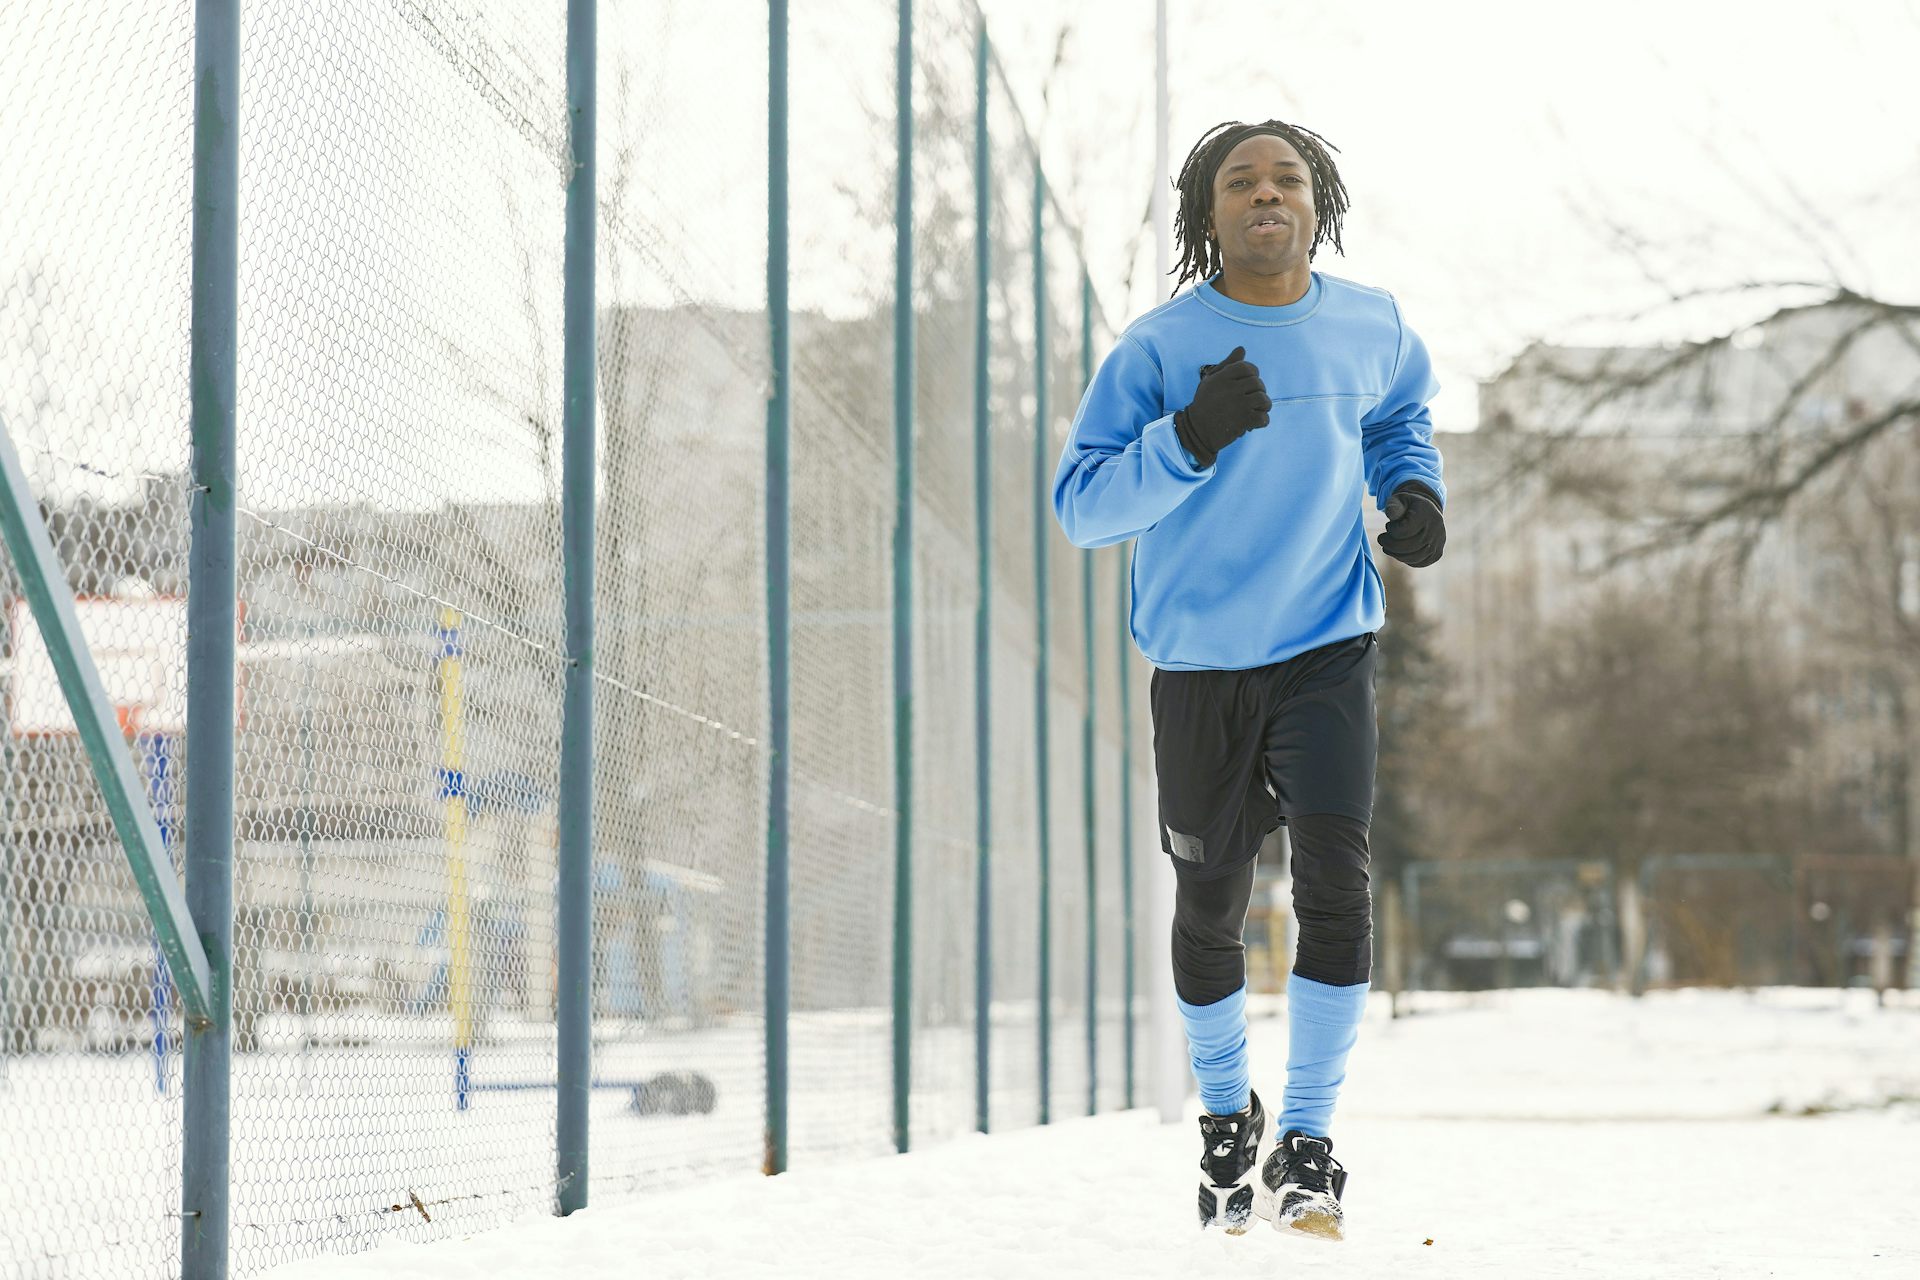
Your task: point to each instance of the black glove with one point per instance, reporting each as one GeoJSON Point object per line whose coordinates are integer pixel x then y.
{"type": "Point", "coordinates": [1416, 530]}
{"type": "Point", "coordinates": [1229, 402]}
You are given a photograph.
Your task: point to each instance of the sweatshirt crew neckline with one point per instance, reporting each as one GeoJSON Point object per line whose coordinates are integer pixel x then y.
{"type": "Point", "coordinates": [1249, 313]}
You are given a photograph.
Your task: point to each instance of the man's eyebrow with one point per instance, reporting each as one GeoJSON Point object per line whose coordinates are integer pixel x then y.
{"type": "Point", "coordinates": [1248, 164]}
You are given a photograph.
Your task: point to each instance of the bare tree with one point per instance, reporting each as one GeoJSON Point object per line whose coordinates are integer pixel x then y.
{"type": "Point", "coordinates": [1627, 735]}
{"type": "Point", "coordinates": [1771, 463]}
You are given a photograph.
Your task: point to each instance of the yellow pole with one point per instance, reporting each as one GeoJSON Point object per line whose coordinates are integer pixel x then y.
{"type": "Point", "coordinates": [453, 787]}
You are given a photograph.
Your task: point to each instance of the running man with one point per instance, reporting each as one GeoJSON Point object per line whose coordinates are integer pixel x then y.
{"type": "Point", "coordinates": [1234, 431]}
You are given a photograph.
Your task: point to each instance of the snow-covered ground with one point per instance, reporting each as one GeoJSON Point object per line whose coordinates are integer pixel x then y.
{"type": "Point", "coordinates": [1524, 1134]}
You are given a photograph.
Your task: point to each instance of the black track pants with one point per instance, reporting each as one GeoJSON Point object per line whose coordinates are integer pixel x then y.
{"type": "Point", "coordinates": [1331, 901]}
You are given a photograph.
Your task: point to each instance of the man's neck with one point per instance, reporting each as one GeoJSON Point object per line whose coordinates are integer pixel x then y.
{"type": "Point", "coordinates": [1266, 291]}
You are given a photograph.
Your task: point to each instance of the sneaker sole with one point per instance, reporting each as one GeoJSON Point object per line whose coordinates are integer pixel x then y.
{"type": "Point", "coordinates": [1322, 1226]}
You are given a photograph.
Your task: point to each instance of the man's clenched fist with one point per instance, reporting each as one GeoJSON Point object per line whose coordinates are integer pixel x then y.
{"type": "Point", "coordinates": [1229, 402]}
{"type": "Point", "coordinates": [1416, 530]}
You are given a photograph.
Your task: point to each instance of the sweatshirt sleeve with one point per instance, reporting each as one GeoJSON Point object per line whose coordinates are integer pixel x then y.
{"type": "Point", "coordinates": [1396, 435]}
{"type": "Point", "coordinates": [1123, 468]}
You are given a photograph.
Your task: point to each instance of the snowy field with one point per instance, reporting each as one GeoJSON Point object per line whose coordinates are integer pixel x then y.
{"type": "Point", "coordinates": [1524, 1134]}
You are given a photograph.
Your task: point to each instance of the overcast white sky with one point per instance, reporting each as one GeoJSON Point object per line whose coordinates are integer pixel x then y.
{"type": "Point", "coordinates": [1491, 148]}
{"type": "Point", "coordinates": [1517, 171]}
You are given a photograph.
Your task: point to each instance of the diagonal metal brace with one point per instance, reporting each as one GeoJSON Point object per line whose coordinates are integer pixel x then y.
{"type": "Point", "coordinates": [51, 598]}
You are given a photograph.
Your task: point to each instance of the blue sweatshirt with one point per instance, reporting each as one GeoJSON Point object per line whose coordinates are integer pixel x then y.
{"type": "Point", "coordinates": [1264, 554]}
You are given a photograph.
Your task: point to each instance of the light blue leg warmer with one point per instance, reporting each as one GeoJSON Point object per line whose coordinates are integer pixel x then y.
{"type": "Point", "coordinates": [1217, 1041]}
{"type": "Point", "coordinates": [1323, 1021]}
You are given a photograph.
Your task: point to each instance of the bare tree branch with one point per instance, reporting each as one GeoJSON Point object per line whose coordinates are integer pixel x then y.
{"type": "Point", "coordinates": [1767, 502]}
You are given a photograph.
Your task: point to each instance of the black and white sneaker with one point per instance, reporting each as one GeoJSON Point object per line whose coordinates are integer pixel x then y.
{"type": "Point", "coordinates": [1230, 1161]}
{"type": "Point", "coordinates": [1303, 1186]}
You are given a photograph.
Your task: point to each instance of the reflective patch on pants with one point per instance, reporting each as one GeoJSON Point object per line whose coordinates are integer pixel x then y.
{"type": "Point", "coordinates": [1191, 848]}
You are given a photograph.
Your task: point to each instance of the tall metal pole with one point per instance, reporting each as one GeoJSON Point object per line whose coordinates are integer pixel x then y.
{"type": "Point", "coordinates": [983, 609]}
{"type": "Point", "coordinates": [1171, 1070]}
{"type": "Point", "coordinates": [1087, 740]}
{"type": "Point", "coordinates": [578, 373]}
{"type": "Point", "coordinates": [306, 857]}
{"type": "Point", "coordinates": [450, 669]}
{"type": "Point", "coordinates": [1042, 680]}
{"type": "Point", "coordinates": [903, 585]}
{"type": "Point", "coordinates": [212, 584]}
{"type": "Point", "coordinates": [1162, 227]}
{"type": "Point", "coordinates": [779, 594]}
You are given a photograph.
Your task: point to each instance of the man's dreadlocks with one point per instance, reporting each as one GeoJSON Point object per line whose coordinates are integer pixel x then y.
{"type": "Point", "coordinates": [1199, 252]}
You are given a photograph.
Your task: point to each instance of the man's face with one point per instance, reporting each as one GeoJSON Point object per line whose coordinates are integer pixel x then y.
{"type": "Point", "coordinates": [1263, 206]}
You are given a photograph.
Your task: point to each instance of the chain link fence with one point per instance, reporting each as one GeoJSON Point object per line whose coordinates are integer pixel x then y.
{"type": "Point", "coordinates": [946, 580]}
{"type": "Point", "coordinates": [402, 649]}
{"type": "Point", "coordinates": [680, 788]}
{"type": "Point", "coordinates": [93, 388]}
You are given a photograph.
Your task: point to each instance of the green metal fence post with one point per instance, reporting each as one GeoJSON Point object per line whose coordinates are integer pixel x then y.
{"type": "Point", "coordinates": [1088, 725]}
{"type": "Point", "coordinates": [779, 594]}
{"type": "Point", "coordinates": [212, 584]}
{"type": "Point", "coordinates": [903, 585]}
{"type": "Point", "coordinates": [1042, 681]}
{"type": "Point", "coordinates": [983, 608]}
{"type": "Point", "coordinates": [1410, 895]}
{"type": "Point", "coordinates": [574, 922]}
